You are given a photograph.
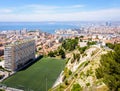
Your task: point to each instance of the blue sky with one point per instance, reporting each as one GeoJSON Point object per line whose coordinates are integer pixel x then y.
{"type": "Point", "coordinates": [59, 10]}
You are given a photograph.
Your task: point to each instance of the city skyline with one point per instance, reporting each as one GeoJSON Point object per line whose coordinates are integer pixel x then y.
{"type": "Point", "coordinates": [79, 10]}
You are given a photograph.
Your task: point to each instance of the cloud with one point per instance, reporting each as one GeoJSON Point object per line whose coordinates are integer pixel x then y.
{"type": "Point", "coordinates": [5, 11]}
{"type": "Point", "coordinates": [52, 14]}
{"type": "Point", "coordinates": [38, 6]}
{"type": "Point", "coordinates": [78, 6]}
{"type": "Point", "coordinates": [40, 9]}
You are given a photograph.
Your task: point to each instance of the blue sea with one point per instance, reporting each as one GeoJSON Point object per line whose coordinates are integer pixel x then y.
{"type": "Point", "coordinates": [49, 27]}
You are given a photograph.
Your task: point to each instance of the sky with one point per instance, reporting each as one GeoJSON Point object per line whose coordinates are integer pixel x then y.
{"type": "Point", "coordinates": [59, 10]}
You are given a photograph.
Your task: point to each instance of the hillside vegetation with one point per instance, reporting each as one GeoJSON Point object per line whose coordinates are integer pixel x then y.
{"type": "Point", "coordinates": [89, 68]}
{"type": "Point", "coordinates": [109, 70]}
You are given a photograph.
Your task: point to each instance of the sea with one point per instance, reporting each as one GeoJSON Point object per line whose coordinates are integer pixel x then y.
{"type": "Point", "coordinates": [48, 27]}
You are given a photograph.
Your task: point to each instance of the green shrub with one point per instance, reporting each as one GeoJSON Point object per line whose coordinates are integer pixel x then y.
{"type": "Point", "coordinates": [87, 84]}
{"type": "Point", "coordinates": [76, 75]}
{"type": "Point", "coordinates": [76, 87]}
{"type": "Point", "coordinates": [83, 49]}
{"type": "Point", "coordinates": [51, 54]}
{"type": "Point", "coordinates": [87, 62]}
{"type": "Point", "coordinates": [91, 43]}
{"type": "Point", "coordinates": [2, 90]}
{"type": "Point", "coordinates": [66, 82]}
{"type": "Point", "coordinates": [70, 72]}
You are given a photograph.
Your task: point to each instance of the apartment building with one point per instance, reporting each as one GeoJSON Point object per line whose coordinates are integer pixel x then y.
{"type": "Point", "coordinates": [18, 54]}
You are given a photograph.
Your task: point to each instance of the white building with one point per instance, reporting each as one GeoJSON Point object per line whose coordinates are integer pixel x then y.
{"type": "Point", "coordinates": [18, 54]}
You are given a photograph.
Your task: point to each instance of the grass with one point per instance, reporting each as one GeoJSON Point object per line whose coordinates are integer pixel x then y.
{"type": "Point", "coordinates": [38, 77]}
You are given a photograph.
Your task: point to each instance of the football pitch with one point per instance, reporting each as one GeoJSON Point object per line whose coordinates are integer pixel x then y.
{"type": "Point", "coordinates": [38, 77]}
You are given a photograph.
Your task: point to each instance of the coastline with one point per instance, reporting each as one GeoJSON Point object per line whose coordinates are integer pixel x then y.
{"type": "Point", "coordinates": [48, 27]}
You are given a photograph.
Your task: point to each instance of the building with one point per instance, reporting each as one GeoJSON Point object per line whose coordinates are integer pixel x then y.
{"type": "Point", "coordinates": [2, 36]}
{"type": "Point", "coordinates": [18, 54]}
{"type": "Point", "coordinates": [1, 51]}
{"type": "Point", "coordinates": [2, 43]}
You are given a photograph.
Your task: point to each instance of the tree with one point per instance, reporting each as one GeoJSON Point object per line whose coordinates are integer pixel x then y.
{"type": "Point", "coordinates": [1, 76]}
{"type": "Point", "coordinates": [91, 43]}
{"type": "Point", "coordinates": [76, 87]}
{"type": "Point", "coordinates": [78, 56]}
{"type": "Point", "coordinates": [70, 44]}
{"type": "Point", "coordinates": [2, 90]}
{"type": "Point", "coordinates": [109, 69]}
{"type": "Point", "coordinates": [83, 49]}
{"type": "Point", "coordinates": [110, 45]}
{"type": "Point", "coordinates": [117, 52]}
{"type": "Point", "coordinates": [62, 53]}
{"type": "Point", "coordinates": [51, 54]}
{"type": "Point", "coordinates": [81, 36]}
{"type": "Point", "coordinates": [39, 48]}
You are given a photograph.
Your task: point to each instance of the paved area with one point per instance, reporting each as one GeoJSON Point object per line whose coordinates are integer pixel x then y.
{"type": "Point", "coordinates": [10, 89]}
{"type": "Point", "coordinates": [2, 63]}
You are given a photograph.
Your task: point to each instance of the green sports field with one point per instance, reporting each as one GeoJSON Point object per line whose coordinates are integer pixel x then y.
{"type": "Point", "coordinates": [38, 77]}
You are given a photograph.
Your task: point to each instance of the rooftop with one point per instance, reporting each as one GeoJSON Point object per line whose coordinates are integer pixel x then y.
{"type": "Point", "coordinates": [19, 42]}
